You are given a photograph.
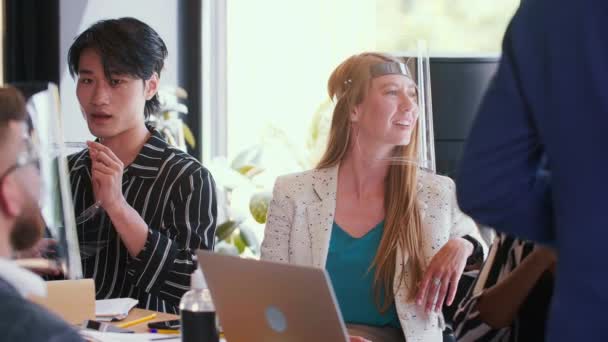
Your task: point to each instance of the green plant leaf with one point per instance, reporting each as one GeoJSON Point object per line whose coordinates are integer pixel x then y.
{"type": "Point", "coordinates": [189, 136]}
{"type": "Point", "coordinates": [247, 158]}
{"type": "Point", "coordinates": [238, 242]}
{"type": "Point", "coordinates": [250, 171]}
{"type": "Point", "coordinates": [226, 229]}
{"type": "Point", "coordinates": [243, 170]}
{"type": "Point", "coordinates": [169, 136]}
{"type": "Point", "coordinates": [258, 206]}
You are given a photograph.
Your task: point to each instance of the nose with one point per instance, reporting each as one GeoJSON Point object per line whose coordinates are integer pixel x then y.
{"type": "Point", "coordinates": [408, 103]}
{"type": "Point", "coordinates": [101, 94]}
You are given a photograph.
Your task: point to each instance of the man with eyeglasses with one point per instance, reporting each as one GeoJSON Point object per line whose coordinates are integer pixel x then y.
{"type": "Point", "coordinates": [21, 227]}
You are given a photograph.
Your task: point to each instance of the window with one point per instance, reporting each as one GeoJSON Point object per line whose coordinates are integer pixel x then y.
{"type": "Point", "coordinates": [279, 55]}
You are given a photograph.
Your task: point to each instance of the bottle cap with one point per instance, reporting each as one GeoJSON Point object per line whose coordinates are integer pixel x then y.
{"type": "Point", "coordinates": [197, 280]}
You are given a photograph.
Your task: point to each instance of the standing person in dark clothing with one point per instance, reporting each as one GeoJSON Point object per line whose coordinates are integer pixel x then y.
{"type": "Point", "coordinates": [21, 227]}
{"type": "Point", "coordinates": [547, 110]}
{"type": "Point", "coordinates": [158, 204]}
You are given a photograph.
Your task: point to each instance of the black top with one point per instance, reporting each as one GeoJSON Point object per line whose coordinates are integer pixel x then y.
{"type": "Point", "coordinates": [175, 196]}
{"type": "Point", "coordinates": [24, 321]}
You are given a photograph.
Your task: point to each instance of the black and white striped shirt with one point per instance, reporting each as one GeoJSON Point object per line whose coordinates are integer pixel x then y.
{"type": "Point", "coordinates": [175, 196]}
{"type": "Point", "coordinates": [506, 254]}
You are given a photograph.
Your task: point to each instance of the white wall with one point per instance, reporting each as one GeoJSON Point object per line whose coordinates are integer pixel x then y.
{"type": "Point", "coordinates": [77, 15]}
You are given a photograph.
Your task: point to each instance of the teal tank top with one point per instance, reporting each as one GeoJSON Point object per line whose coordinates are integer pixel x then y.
{"type": "Point", "coordinates": [348, 261]}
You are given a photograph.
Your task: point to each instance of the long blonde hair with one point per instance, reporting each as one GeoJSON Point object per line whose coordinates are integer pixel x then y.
{"type": "Point", "coordinates": [348, 85]}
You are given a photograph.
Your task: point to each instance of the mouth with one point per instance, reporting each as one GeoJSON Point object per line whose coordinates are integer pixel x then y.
{"type": "Point", "coordinates": [402, 124]}
{"type": "Point", "coordinates": [100, 117]}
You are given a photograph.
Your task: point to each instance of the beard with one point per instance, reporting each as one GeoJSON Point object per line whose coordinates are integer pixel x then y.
{"type": "Point", "coordinates": [28, 229]}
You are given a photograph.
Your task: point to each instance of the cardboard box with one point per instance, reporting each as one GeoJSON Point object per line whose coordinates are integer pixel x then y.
{"type": "Point", "coordinates": [72, 300]}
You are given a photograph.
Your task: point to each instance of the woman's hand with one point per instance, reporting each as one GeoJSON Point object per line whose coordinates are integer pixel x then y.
{"type": "Point", "coordinates": [443, 274]}
{"type": "Point", "coordinates": [106, 176]}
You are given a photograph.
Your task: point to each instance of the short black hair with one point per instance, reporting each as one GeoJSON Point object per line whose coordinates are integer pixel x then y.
{"type": "Point", "coordinates": [126, 46]}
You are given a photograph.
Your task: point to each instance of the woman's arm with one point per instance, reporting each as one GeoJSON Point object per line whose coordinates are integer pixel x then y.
{"type": "Point", "coordinates": [275, 246]}
{"type": "Point", "coordinates": [441, 278]}
{"type": "Point", "coordinates": [499, 304]}
{"type": "Point", "coordinates": [463, 225]}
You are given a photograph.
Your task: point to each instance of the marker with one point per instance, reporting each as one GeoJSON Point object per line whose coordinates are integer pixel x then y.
{"type": "Point", "coordinates": [163, 331]}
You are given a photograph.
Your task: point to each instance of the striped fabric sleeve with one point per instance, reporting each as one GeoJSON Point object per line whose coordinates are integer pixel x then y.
{"type": "Point", "coordinates": [164, 265]}
{"type": "Point", "coordinates": [503, 257]}
{"type": "Point", "coordinates": [470, 327]}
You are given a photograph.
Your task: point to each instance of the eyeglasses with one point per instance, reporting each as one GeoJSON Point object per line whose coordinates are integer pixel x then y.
{"type": "Point", "coordinates": [24, 158]}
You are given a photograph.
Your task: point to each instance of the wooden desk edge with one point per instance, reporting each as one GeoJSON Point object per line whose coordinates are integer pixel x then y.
{"type": "Point", "coordinates": [136, 313]}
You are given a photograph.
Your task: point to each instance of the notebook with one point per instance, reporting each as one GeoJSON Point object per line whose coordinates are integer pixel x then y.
{"type": "Point", "coordinates": [114, 309]}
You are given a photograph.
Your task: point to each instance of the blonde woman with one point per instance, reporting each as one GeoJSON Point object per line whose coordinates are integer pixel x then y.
{"type": "Point", "coordinates": [390, 236]}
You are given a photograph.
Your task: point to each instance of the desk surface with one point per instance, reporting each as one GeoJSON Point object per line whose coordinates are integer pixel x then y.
{"type": "Point", "coordinates": [136, 313]}
{"type": "Point", "coordinates": [139, 313]}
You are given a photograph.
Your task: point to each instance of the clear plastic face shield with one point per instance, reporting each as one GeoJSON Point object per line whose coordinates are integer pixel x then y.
{"type": "Point", "coordinates": [405, 112]}
{"type": "Point", "coordinates": [55, 194]}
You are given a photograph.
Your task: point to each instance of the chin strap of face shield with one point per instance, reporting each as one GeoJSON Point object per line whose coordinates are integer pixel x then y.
{"type": "Point", "coordinates": [389, 68]}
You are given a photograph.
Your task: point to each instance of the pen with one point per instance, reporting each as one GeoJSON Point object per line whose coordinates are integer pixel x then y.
{"type": "Point", "coordinates": [163, 331]}
{"type": "Point", "coordinates": [137, 321]}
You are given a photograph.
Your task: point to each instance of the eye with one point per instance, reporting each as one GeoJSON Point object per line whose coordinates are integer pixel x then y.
{"type": "Point", "coordinates": [85, 80]}
{"type": "Point", "coordinates": [412, 93]}
{"type": "Point", "coordinates": [392, 92]}
{"type": "Point", "coordinates": [116, 82]}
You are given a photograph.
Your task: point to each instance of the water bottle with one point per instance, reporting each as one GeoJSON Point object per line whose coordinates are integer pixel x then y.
{"type": "Point", "coordinates": [198, 312]}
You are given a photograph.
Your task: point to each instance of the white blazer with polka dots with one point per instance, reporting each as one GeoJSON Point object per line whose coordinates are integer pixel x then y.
{"type": "Point", "coordinates": [300, 220]}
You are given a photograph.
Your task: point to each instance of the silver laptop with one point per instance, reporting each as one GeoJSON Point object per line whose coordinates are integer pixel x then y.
{"type": "Point", "coordinates": [272, 302]}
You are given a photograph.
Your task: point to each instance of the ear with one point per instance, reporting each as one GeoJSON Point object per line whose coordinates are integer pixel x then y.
{"type": "Point", "coordinates": [152, 85]}
{"type": "Point", "coordinates": [11, 199]}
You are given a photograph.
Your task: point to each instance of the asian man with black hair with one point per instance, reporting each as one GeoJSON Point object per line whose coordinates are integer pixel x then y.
{"type": "Point", "coordinates": [158, 203]}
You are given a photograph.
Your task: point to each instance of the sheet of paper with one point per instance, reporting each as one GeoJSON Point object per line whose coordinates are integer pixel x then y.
{"type": "Point", "coordinates": [97, 336]}
{"type": "Point", "coordinates": [116, 308]}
